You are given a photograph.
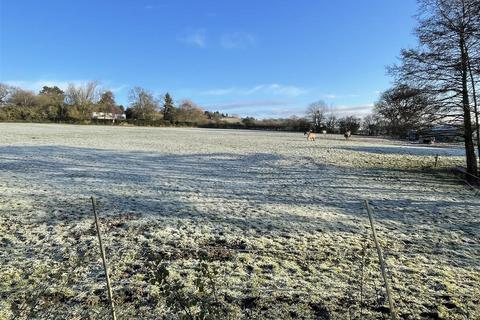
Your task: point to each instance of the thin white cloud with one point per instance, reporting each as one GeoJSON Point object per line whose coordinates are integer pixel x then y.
{"type": "Point", "coordinates": [355, 110]}
{"type": "Point", "coordinates": [260, 108]}
{"type": "Point", "coordinates": [37, 85]}
{"type": "Point", "coordinates": [333, 96]}
{"type": "Point", "coordinates": [285, 112]}
{"type": "Point", "coordinates": [220, 92]}
{"type": "Point", "coordinates": [266, 89]}
{"type": "Point", "coordinates": [284, 90]}
{"type": "Point", "coordinates": [330, 96]}
{"type": "Point", "coordinates": [284, 108]}
{"type": "Point", "coordinates": [251, 104]}
{"type": "Point", "coordinates": [197, 38]}
{"type": "Point", "coordinates": [288, 110]}
{"type": "Point", "coordinates": [119, 88]}
{"type": "Point", "coordinates": [237, 40]}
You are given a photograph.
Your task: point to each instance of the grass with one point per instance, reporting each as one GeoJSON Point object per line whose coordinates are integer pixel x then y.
{"type": "Point", "coordinates": [278, 220]}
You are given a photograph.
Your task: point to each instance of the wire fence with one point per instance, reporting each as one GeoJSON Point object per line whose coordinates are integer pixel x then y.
{"type": "Point", "coordinates": [358, 287]}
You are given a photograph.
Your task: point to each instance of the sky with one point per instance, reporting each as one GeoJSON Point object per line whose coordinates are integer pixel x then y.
{"type": "Point", "coordinates": [267, 59]}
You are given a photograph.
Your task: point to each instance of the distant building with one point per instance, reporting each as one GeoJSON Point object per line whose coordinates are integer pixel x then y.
{"type": "Point", "coordinates": [231, 119]}
{"type": "Point", "coordinates": [442, 133]}
{"type": "Point", "coordinates": [108, 116]}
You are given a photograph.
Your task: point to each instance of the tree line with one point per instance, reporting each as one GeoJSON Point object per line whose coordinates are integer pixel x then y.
{"type": "Point", "coordinates": [75, 104]}
{"type": "Point", "coordinates": [325, 118]}
{"type": "Point", "coordinates": [78, 103]}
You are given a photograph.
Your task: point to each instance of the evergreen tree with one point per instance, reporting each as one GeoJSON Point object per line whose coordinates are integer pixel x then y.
{"type": "Point", "coordinates": [107, 103]}
{"type": "Point", "coordinates": [52, 101]}
{"type": "Point", "coordinates": [168, 108]}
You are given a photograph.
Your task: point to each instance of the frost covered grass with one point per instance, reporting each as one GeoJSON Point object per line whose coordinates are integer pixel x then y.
{"type": "Point", "coordinates": [278, 221]}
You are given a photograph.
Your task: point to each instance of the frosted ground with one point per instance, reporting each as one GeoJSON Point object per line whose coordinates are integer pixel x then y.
{"type": "Point", "coordinates": [279, 219]}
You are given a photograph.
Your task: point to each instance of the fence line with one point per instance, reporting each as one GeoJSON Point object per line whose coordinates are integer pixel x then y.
{"type": "Point", "coordinates": [349, 251]}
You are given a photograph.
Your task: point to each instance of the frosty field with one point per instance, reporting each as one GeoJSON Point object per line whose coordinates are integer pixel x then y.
{"type": "Point", "coordinates": [277, 221]}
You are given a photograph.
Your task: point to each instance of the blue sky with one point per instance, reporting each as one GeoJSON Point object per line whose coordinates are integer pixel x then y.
{"type": "Point", "coordinates": [261, 58]}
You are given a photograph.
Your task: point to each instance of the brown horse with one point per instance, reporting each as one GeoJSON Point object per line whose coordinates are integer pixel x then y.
{"type": "Point", "coordinates": [311, 136]}
{"type": "Point", "coordinates": [347, 134]}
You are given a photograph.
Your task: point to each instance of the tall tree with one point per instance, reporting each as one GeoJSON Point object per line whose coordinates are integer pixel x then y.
{"type": "Point", "coordinates": [317, 112]}
{"type": "Point", "coordinates": [107, 103]}
{"type": "Point", "coordinates": [143, 104]}
{"type": "Point", "coordinates": [404, 108]}
{"type": "Point", "coordinates": [22, 98]}
{"type": "Point", "coordinates": [188, 111]}
{"type": "Point", "coordinates": [52, 101]}
{"type": "Point", "coordinates": [83, 97]}
{"type": "Point", "coordinates": [474, 72]}
{"type": "Point", "coordinates": [349, 123]}
{"type": "Point", "coordinates": [24, 102]}
{"type": "Point", "coordinates": [4, 92]}
{"type": "Point", "coordinates": [168, 108]}
{"type": "Point", "coordinates": [331, 122]}
{"type": "Point", "coordinates": [448, 33]}
{"type": "Point", "coordinates": [371, 125]}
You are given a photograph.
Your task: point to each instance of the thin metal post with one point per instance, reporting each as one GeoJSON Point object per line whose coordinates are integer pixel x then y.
{"type": "Point", "coordinates": [104, 260]}
{"type": "Point", "coordinates": [382, 263]}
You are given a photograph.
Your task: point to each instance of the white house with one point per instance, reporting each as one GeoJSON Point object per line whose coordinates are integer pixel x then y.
{"type": "Point", "coordinates": [108, 116]}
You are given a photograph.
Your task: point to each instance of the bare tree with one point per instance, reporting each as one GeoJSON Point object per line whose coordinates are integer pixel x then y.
{"type": "Point", "coordinates": [317, 112]}
{"type": "Point", "coordinates": [371, 125]}
{"type": "Point", "coordinates": [404, 108]}
{"type": "Point", "coordinates": [4, 92]}
{"type": "Point", "coordinates": [22, 98]}
{"type": "Point", "coordinates": [448, 33]}
{"type": "Point", "coordinates": [188, 111]}
{"type": "Point", "coordinates": [331, 121]}
{"type": "Point", "coordinates": [349, 123]}
{"type": "Point", "coordinates": [474, 72]}
{"type": "Point", "coordinates": [143, 103]}
{"type": "Point", "coordinates": [83, 98]}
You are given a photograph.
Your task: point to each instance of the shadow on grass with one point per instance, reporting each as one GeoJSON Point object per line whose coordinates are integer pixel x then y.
{"type": "Point", "coordinates": [261, 192]}
{"type": "Point", "coordinates": [408, 150]}
{"type": "Point", "coordinates": [229, 195]}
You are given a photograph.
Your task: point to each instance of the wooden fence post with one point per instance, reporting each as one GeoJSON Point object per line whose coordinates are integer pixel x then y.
{"type": "Point", "coordinates": [382, 263]}
{"type": "Point", "coordinates": [104, 260]}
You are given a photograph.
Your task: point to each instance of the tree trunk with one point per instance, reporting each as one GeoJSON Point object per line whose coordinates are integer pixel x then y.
{"type": "Point", "coordinates": [467, 121]}
{"type": "Point", "coordinates": [475, 105]}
